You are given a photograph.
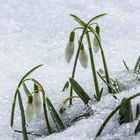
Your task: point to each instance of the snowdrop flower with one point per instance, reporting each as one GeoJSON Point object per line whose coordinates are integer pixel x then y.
{"type": "Point", "coordinates": [29, 109]}
{"type": "Point", "coordinates": [69, 50]}
{"type": "Point", "coordinates": [83, 57]}
{"type": "Point", "coordinates": [37, 103]}
{"type": "Point", "coordinates": [95, 41]}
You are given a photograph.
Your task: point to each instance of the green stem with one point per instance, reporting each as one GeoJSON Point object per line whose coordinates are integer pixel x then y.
{"type": "Point", "coordinates": [93, 68]}
{"type": "Point", "coordinates": [67, 99]}
{"type": "Point", "coordinates": [29, 133]}
{"type": "Point", "coordinates": [103, 58]}
{"type": "Point", "coordinates": [113, 112]}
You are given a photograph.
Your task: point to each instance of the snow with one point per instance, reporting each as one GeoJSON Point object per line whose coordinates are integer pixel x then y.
{"type": "Point", "coordinates": [36, 32]}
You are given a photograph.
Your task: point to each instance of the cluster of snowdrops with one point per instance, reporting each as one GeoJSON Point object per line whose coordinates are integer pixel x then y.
{"type": "Point", "coordinates": [38, 101]}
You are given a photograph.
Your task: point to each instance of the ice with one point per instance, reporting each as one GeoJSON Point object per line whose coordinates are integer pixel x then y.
{"type": "Point", "coordinates": [36, 32]}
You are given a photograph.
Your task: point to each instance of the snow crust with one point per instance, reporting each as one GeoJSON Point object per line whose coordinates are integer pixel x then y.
{"type": "Point", "coordinates": [33, 32]}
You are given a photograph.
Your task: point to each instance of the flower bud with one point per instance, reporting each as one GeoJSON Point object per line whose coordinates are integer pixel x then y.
{"type": "Point", "coordinates": [37, 103]}
{"type": "Point", "coordinates": [29, 110]}
{"type": "Point", "coordinates": [83, 57]}
{"type": "Point", "coordinates": [95, 41]}
{"type": "Point", "coordinates": [69, 50]}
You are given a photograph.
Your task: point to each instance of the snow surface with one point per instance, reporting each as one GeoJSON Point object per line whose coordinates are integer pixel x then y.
{"type": "Point", "coordinates": [33, 32]}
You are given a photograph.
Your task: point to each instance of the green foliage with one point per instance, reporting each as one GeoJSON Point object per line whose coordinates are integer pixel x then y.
{"type": "Point", "coordinates": [137, 110]}
{"type": "Point", "coordinates": [55, 115]}
{"type": "Point", "coordinates": [136, 68]}
{"type": "Point", "coordinates": [125, 112]}
{"type": "Point", "coordinates": [137, 128]}
{"type": "Point", "coordinates": [113, 112]}
{"type": "Point", "coordinates": [66, 86]}
{"type": "Point", "coordinates": [79, 90]}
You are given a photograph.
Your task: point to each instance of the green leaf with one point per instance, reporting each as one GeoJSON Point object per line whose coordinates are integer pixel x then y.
{"type": "Point", "coordinates": [98, 98]}
{"type": "Point", "coordinates": [106, 82]}
{"type": "Point", "coordinates": [137, 111]}
{"type": "Point", "coordinates": [80, 92]}
{"type": "Point", "coordinates": [26, 90]}
{"type": "Point", "coordinates": [82, 23]}
{"type": "Point", "coordinates": [101, 92]}
{"type": "Point", "coordinates": [137, 128]}
{"type": "Point", "coordinates": [126, 66]}
{"type": "Point", "coordinates": [15, 96]}
{"type": "Point", "coordinates": [125, 112]}
{"type": "Point", "coordinates": [136, 68]}
{"type": "Point", "coordinates": [36, 89]}
{"type": "Point", "coordinates": [76, 18]}
{"type": "Point", "coordinates": [22, 116]}
{"type": "Point", "coordinates": [66, 86]}
{"type": "Point", "coordinates": [55, 115]}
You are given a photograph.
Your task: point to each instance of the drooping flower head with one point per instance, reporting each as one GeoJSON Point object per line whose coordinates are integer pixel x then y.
{"type": "Point", "coordinates": [95, 41]}
{"type": "Point", "coordinates": [69, 50]}
{"type": "Point", "coordinates": [37, 102]}
{"type": "Point", "coordinates": [83, 57]}
{"type": "Point", "coordinates": [29, 113]}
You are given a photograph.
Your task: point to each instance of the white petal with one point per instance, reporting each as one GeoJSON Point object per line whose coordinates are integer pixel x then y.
{"type": "Point", "coordinates": [96, 44]}
{"type": "Point", "coordinates": [69, 50]}
{"type": "Point", "coordinates": [29, 112]}
{"type": "Point", "coordinates": [37, 103]}
{"type": "Point", "coordinates": [83, 58]}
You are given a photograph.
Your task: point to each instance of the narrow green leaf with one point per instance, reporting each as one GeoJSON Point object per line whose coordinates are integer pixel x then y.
{"type": "Point", "coordinates": [66, 86]}
{"type": "Point", "coordinates": [15, 96]}
{"type": "Point", "coordinates": [125, 112]}
{"type": "Point", "coordinates": [126, 66]}
{"type": "Point", "coordinates": [137, 65]}
{"type": "Point", "coordinates": [36, 89]}
{"type": "Point", "coordinates": [76, 18]}
{"type": "Point", "coordinates": [55, 115]}
{"type": "Point", "coordinates": [101, 92]}
{"type": "Point", "coordinates": [106, 82]}
{"type": "Point", "coordinates": [80, 92]}
{"type": "Point", "coordinates": [137, 111]}
{"type": "Point", "coordinates": [22, 117]}
{"type": "Point", "coordinates": [98, 98]}
{"type": "Point", "coordinates": [82, 23]}
{"type": "Point", "coordinates": [137, 128]}
{"type": "Point", "coordinates": [26, 90]}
